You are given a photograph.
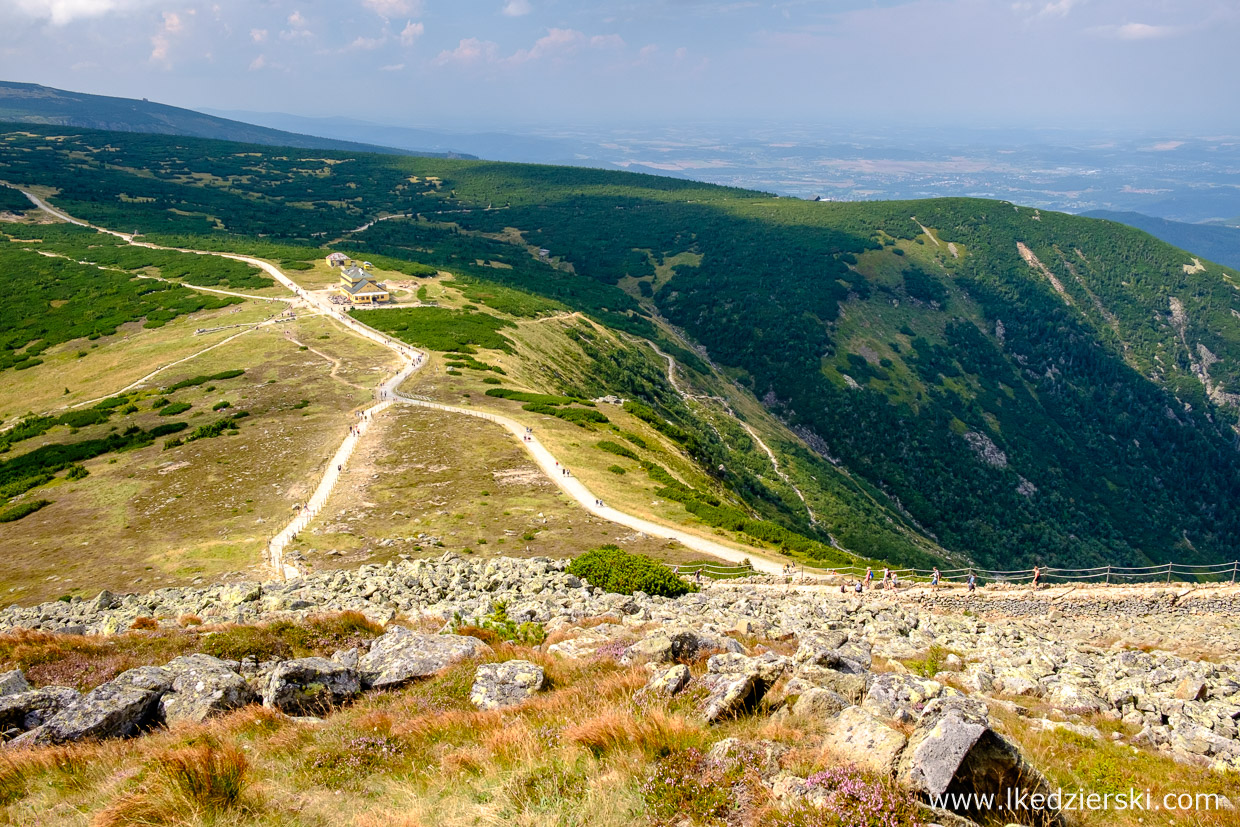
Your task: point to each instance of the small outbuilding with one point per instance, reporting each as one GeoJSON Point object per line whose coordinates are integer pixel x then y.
{"type": "Point", "coordinates": [337, 260]}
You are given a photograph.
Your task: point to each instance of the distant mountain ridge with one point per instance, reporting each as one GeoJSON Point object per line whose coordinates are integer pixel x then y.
{"type": "Point", "coordinates": [1215, 242]}
{"type": "Point", "coordinates": [35, 104]}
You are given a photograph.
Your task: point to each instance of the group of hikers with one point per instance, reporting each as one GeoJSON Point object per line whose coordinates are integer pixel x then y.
{"type": "Point", "coordinates": [891, 581]}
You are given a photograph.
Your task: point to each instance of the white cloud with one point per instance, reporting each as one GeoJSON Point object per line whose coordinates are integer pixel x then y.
{"type": "Point", "coordinates": [258, 35]}
{"type": "Point", "coordinates": [411, 32]}
{"type": "Point", "coordinates": [392, 67]}
{"type": "Point", "coordinates": [394, 8]}
{"type": "Point", "coordinates": [469, 50]}
{"type": "Point", "coordinates": [553, 44]}
{"type": "Point", "coordinates": [1138, 31]}
{"type": "Point", "coordinates": [607, 41]}
{"type": "Point", "coordinates": [298, 28]}
{"type": "Point", "coordinates": [161, 42]}
{"type": "Point", "coordinates": [258, 63]}
{"type": "Point", "coordinates": [517, 8]}
{"type": "Point", "coordinates": [1143, 31]}
{"type": "Point", "coordinates": [366, 44]}
{"type": "Point", "coordinates": [1057, 8]}
{"type": "Point", "coordinates": [61, 12]}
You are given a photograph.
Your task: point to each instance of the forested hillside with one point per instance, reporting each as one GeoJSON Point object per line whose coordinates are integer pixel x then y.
{"type": "Point", "coordinates": [1018, 386]}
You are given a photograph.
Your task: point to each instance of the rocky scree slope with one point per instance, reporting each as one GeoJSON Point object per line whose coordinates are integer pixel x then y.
{"type": "Point", "coordinates": [930, 729]}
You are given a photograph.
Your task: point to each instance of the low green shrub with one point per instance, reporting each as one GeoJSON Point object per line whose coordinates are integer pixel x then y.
{"type": "Point", "coordinates": [16, 512]}
{"type": "Point", "coordinates": [174, 409]}
{"type": "Point", "coordinates": [613, 569]}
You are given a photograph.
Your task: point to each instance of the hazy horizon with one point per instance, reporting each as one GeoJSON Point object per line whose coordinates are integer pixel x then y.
{"type": "Point", "coordinates": [1102, 65]}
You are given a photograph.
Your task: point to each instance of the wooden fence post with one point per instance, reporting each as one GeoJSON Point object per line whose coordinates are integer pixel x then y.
{"type": "Point", "coordinates": [1108, 574]}
{"type": "Point", "coordinates": [1168, 574]}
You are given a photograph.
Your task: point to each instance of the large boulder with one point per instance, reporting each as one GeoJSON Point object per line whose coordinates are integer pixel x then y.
{"type": "Point", "coordinates": [401, 656]}
{"type": "Point", "coordinates": [203, 686]}
{"type": "Point", "coordinates": [123, 707]}
{"type": "Point", "coordinates": [735, 684]}
{"type": "Point", "coordinates": [954, 751]}
{"type": "Point", "coordinates": [730, 695]}
{"type": "Point", "coordinates": [767, 667]}
{"type": "Point", "coordinates": [25, 711]}
{"type": "Point", "coordinates": [504, 684]}
{"type": "Point", "coordinates": [12, 683]}
{"type": "Point", "coordinates": [859, 738]}
{"type": "Point", "coordinates": [310, 686]}
{"type": "Point", "coordinates": [834, 650]}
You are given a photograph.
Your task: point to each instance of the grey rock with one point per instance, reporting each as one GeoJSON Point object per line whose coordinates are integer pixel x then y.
{"type": "Point", "coordinates": [25, 711]}
{"type": "Point", "coordinates": [945, 733]}
{"type": "Point", "coordinates": [669, 681]}
{"type": "Point", "coordinates": [760, 755]}
{"type": "Point", "coordinates": [310, 686]}
{"type": "Point", "coordinates": [859, 738]}
{"type": "Point", "coordinates": [807, 677]}
{"type": "Point", "coordinates": [954, 749]}
{"type": "Point", "coordinates": [730, 695]}
{"type": "Point", "coordinates": [11, 683]}
{"type": "Point", "coordinates": [902, 697]}
{"type": "Point", "coordinates": [401, 656]}
{"type": "Point", "coordinates": [203, 686]}
{"type": "Point", "coordinates": [121, 708]}
{"type": "Point", "coordinates": [819, 704]}
{"type": "Point", "coordinates": [766, 668]}
{"type": "Point", "coordinates": [510, 683]}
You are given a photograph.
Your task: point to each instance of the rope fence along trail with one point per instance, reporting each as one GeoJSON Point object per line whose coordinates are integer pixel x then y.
{"type": "Point", "coordinates": [1164, 573]}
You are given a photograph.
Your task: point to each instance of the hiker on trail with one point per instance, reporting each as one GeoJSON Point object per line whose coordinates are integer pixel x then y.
{"type": "Point", "coordinates": [934, 578]}
{"type": "Point", "coordinates": [895, 583]}
{"type": "Point", "coordinates": [869, 577]}
{"type": "Point", "coordinates": [1037, 575]}
{"type": "Point", "coordinates": [886, 578]}
{"type": "Point", "coordinates": [697, 578]}
{"type": "Point", "coordinates": [972, 581]}
{"type": "Point", "coordinates": [857, 588]}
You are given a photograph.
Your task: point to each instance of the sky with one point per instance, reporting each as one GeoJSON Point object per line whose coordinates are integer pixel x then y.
{"type": "Point", "coordinates": [1164, 65]}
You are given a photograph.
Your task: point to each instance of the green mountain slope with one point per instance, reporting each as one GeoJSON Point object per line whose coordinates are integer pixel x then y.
{"type": "Point", "coordinates": [35, 104]}
{"type": "Point", "coordinates": [1013, 385]}
{"type": "Point", "coordinates": [1213, 241]}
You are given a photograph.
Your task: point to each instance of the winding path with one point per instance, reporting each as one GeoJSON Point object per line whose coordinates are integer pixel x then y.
{"type": "Point", "coordinates": [388, 394]}
{"type": "Point", "coordinates": [671, 378]}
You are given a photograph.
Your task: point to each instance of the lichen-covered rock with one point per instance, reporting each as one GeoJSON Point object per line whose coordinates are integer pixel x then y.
{"type": "Point", "coordinates": [401, 656]}
{"type": "Point", "coordinates": [760, 755]}
{"type": "Point", "coordinates": [730, 695]}
{"type": "Point", "coordinates": [12, 683]}
{"type": "Point", "coordinates": [120, 708]}
{"type": "Point", "coordinates": [668, 682]}
{"type": "Point", "coordinates": [510, 683]}
{"type": "Point", "coordinates": [819, 704]}
{"type": "Point", "coordinates": [954, 750]}
{"type": "Point", "coordinates": [767, 667]}
{"type": "Point", "coordinates": [29, 710]}
{"type": "Point", "coordinates": [859, 738]}
{"type": "Point", "coordinates": [902, 697]}
{"type": "Point", "coordinates": [310, 686]}
{"type": "Point", "coordinates": [203, 686]}
{"type": "Point", "coordinates": [945, 733]}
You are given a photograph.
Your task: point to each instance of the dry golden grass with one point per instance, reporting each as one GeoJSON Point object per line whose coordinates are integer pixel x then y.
{"type": "Point", "coordinates": [190, 785]}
